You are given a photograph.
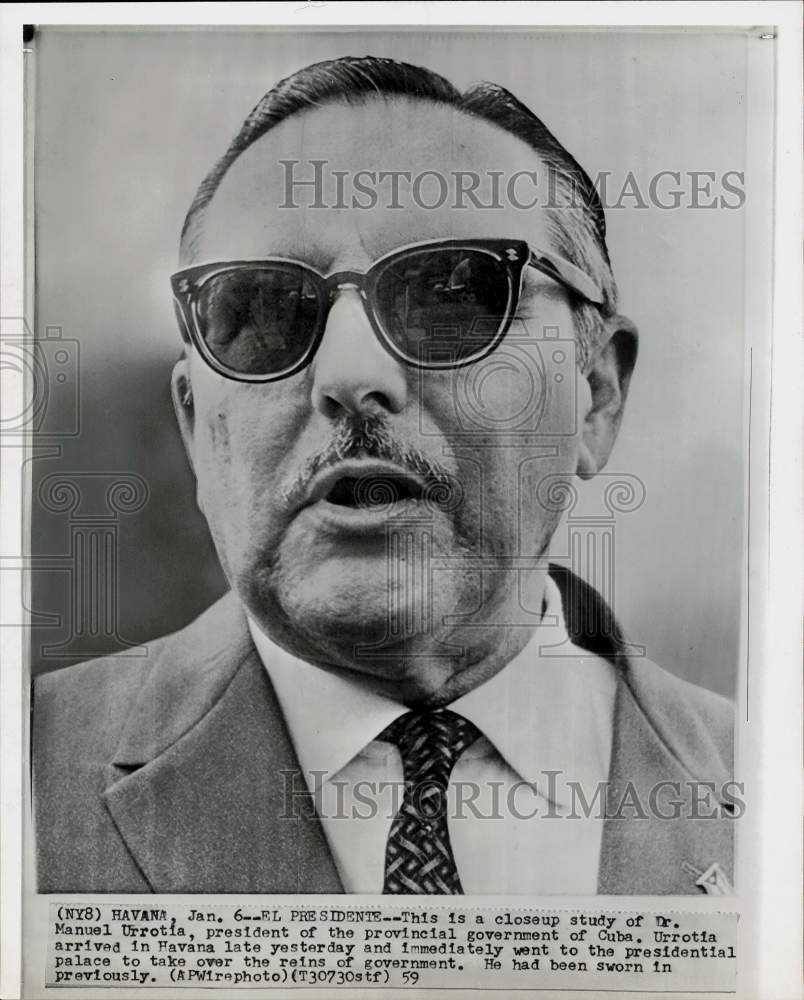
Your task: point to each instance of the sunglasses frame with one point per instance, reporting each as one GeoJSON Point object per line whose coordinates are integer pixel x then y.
{"type": "Point", "coordinates": [514, 255]}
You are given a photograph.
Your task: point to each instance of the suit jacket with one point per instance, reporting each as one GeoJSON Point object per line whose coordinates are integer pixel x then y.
{"type": "Point", "coordinates": [170, 773]}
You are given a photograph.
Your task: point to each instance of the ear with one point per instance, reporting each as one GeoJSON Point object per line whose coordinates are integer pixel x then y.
{"type": "Point", "coordinates": [182, 392]}
{"type": "Point", "coordinates": [608, 377]}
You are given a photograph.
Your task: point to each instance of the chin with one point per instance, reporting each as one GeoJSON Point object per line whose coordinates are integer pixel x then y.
{"type": "Point", "coordinates": [325, 605]}
{"type": "Point", "coordinates": [335, 602]}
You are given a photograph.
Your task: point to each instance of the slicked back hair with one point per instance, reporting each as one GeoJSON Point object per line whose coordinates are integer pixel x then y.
{"type": "Point", "coordinates": [576, 221]}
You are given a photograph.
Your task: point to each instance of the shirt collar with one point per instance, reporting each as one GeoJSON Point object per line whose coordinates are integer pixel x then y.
{"type": "Point", "coordinates": [549, 709]}
{"type": "Point", "coordinates": [331, 716]}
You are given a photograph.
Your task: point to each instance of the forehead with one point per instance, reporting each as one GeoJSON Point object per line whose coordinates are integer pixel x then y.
{"type": "Point", "coordinates": [260, 208]}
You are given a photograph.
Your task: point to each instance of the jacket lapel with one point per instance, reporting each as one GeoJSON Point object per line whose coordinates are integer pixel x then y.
{"type": "Point", "coordinates": [205, 788]}
{"type": "Point", "coordinates": [653, 844]}
{"type": "Point", "coordinates": [661, 774]}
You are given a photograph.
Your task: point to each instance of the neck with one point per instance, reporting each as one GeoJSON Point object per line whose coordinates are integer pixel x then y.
{"type": "Point", "coordinates": [432, 670]}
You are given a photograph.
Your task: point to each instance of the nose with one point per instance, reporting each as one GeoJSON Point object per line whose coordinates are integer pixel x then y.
{"type": "Point", "coordinates": [352, 373]}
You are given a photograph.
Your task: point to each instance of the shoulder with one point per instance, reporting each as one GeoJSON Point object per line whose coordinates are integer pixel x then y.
{"type": "Point", "coordinates": [95, 681]}
{"type": "Point", "coordinates": [95, 722]}
{"type": "Point", "coordinates": [79, 713]}
{"type": "Point", "coordinates": [100, 682]}
{"type": "Point", "coordinates": [88, 703]}
{"type": "Point", "coordinates": [92, 702]}
{"type": "Point", "coordinates": [695, 724]}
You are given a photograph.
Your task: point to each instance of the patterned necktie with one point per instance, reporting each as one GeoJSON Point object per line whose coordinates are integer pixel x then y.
{"type": "Point", "coordinates": [418, 856]}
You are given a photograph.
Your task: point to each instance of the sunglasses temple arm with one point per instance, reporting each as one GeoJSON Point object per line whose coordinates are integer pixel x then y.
{"type": "Point", "coordinates": [566, 274]}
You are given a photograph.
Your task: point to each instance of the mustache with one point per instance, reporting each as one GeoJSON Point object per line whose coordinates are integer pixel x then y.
{"type": "Point", "coordinates": [368, 436]}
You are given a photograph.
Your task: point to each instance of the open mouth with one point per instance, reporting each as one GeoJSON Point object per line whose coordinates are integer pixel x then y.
{"type": "Point", "coordinates": [359, 493]}
{"type": "Point", "coordinates": [374, 491]}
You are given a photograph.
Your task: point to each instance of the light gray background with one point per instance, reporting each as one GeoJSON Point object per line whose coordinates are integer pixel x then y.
{"type": "Point", "coordinates": [127, 124]}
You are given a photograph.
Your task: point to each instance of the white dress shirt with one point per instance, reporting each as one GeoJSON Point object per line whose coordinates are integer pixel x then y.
{"type": "Point", "coordinates": [511, 823]}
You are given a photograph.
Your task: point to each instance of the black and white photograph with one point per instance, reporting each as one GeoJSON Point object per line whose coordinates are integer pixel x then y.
{"type": "Point", "coordinates": [391, 486]}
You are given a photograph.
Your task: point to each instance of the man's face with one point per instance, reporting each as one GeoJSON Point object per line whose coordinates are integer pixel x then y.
{"type": "Point", "coordinates": [321, 574]}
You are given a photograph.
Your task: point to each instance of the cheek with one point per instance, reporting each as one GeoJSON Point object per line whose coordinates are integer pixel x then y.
{"type": "Point", "coordinates": [529, 386]}
{"type": "Point", "coordinates": [519, 502]}
{"type": "Point", "coordinates": [237, 425]}
{"type": "Point", "coordinates": [212, 448]}
{"type": "Point", "coordinates": [235, 456]}
{"type": "Point", "coordinates": [513, 422]}
{"type": "Point", "coordinates": [241, 435]}
{"type": "Point", "coordinates": [217, 491]}
{"type": "Point", "coordinates": [235, 487]}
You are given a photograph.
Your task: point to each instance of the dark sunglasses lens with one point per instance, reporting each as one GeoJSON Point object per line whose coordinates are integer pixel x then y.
{"type": "Point", "coordinates": [261, 320]}
{"type": "Point", "coordinates": [444, 306]}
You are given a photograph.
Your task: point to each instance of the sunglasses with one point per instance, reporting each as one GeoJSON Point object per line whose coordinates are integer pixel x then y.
{"type": "Point", "coordinates": [435, 305]}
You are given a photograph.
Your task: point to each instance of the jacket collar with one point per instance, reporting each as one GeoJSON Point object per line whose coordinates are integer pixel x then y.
{"type": "Point", "coordinates": [652, 841]}
{"type": "Point", "coordinates": [664, 753]}
{"type": "Point", "coordinates": [206, 753]}
{"type": "Point", "coordinates": [191, 670]}
{"type": "Point", "coordinates": [207, 750]}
